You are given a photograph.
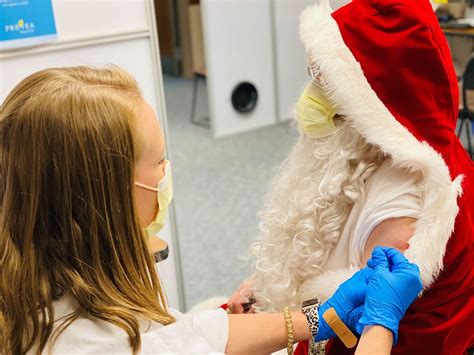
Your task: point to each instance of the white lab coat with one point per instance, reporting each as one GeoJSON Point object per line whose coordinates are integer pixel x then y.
{"type": "Point", "coordinates": [197, 333]}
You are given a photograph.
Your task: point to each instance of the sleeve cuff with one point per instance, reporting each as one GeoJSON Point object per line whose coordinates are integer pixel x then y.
{"type": "Point", "coordinates": [213, 325]}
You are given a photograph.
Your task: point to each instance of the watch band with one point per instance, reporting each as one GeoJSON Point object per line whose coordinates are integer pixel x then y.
{"type": "Point", "coordinates": [310, 310]}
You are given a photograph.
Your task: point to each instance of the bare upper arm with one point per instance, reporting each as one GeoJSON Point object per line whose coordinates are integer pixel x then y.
{"type": "Point", "coordinates": [393, 232]}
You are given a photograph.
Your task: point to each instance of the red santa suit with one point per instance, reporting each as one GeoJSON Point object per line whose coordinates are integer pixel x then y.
{"type": "Point", "coordinates": [386, 66]}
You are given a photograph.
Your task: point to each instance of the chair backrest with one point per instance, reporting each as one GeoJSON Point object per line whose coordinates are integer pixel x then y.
{"type": "Point", "coordinates": [468, 82]}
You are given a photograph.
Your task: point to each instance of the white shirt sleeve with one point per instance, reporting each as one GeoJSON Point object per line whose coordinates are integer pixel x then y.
{"type": "Point", "coordinates": [200, 332]}
{"type": "Point", "coordinates": [203, 332]}
{"type": "Point", "coordinates": [213, 325]}
{"type": "Point", "coordinates": [390, 192]}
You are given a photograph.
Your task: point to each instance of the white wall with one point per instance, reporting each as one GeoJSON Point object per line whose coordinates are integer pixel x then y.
{"type": "Point", "coordinates": [290, 57]}
{"type": "Point", "coordinates": [120, 32]}
{"type": "Point", "coordinates": [335, 4]}
{"type": "Point", "coordinates": [83, 18]}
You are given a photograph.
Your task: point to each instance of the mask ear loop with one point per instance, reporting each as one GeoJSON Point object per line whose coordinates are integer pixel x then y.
{"type": "Point", "coordinates": [316, 76]}
{"type": "Point", "coordinates": [314, 72]}
{"type": "Point", "coordinates": [146, 187]}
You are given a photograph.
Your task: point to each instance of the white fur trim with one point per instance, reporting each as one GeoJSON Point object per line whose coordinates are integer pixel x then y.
{"type": "Point", "coordinates": [350, 91]}
{"type": "Point", "coordinates": [324, 286]}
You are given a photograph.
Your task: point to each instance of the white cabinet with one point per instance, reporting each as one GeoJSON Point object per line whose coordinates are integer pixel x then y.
{"type": "Point", "coordinates": [239, 60]}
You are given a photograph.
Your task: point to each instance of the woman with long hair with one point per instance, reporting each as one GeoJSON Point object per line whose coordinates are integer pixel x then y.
{"type": "Point", "coordinates": [84, 184]}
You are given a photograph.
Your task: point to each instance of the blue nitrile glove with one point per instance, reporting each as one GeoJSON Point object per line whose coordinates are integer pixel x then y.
{"type": "Point", "coordinates": [348, 302]}
{"type": "Point", "coordinates": [392, 288]}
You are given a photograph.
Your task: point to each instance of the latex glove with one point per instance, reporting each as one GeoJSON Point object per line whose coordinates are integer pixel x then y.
{"type": "Point", "coordinates": [392, 288]}
{"type": "Point", "coordinates": [347, 301]}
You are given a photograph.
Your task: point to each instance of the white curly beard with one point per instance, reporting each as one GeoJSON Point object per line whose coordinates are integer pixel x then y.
{"type": "Point", "coordinates": [306, 211]}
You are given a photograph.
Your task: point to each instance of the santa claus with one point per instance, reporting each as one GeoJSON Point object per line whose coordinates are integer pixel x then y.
{"type": "Point", "coordinates": [377, 163]}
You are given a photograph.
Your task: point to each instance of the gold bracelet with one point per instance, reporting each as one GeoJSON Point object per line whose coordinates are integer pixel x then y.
{"type": "Point", "coordinates": [289, 327]}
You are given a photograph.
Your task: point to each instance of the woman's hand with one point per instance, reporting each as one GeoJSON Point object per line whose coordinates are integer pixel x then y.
{"type": "Point", "coordinates": [392, 288]}
{"type": "Point", "coordinates": [347, 301]}
{"type": "Point", "coordinates": [242, 300]}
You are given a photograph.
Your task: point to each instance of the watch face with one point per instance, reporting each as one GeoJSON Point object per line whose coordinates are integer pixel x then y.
{"type": "Point", "coordinates": [310, 302]}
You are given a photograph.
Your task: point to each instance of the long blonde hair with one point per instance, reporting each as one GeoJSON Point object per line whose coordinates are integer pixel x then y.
{"type": "Point", "coordinates": [68, 221]}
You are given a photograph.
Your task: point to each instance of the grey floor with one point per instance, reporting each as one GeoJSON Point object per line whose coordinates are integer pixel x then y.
{"type": "Point", "coordinates": [219, 188]}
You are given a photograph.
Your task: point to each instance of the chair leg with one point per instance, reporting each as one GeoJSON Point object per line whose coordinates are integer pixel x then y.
{"type": "Point", "coordinates": [194, 102]}
{"type": "Point", "coordinates": [199, 122]}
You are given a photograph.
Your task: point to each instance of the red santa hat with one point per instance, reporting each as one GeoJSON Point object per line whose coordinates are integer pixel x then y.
{"type": "Point", "coordinates": [387, 68]}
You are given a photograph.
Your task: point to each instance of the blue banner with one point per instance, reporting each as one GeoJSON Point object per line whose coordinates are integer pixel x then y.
{"type": "Point", "coordinates": [26, 23]}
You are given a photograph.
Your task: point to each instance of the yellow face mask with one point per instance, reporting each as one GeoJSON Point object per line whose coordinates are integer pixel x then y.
{"type": "Point", "coordinates": [315, 113]}
{"type": "Point", "coordinates": [164, 193]}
